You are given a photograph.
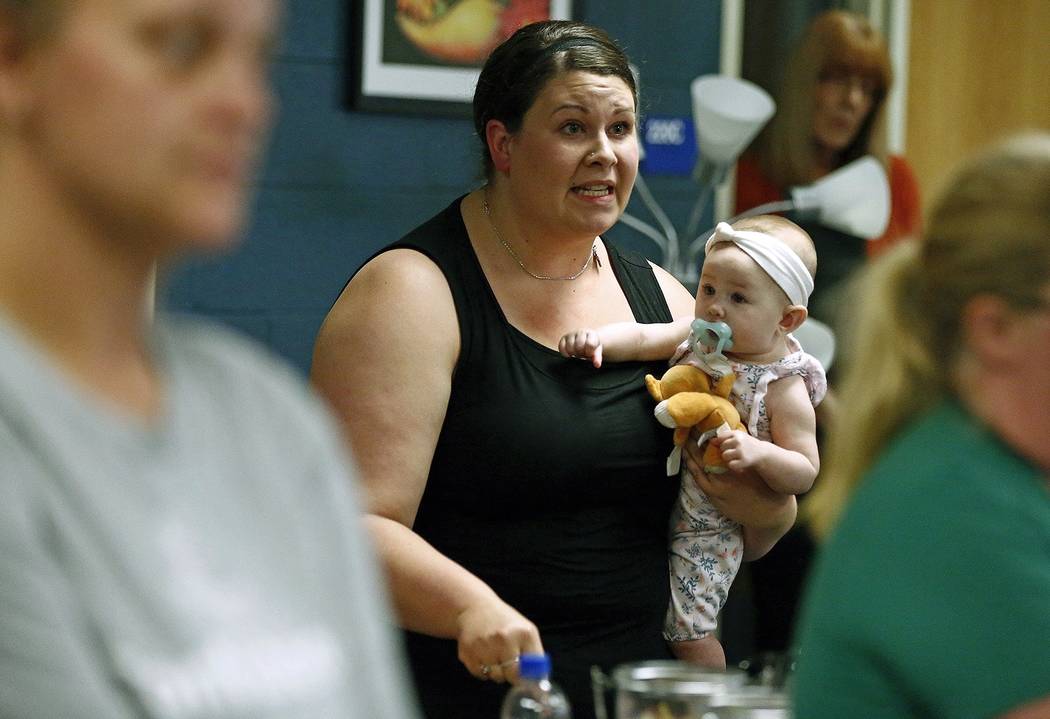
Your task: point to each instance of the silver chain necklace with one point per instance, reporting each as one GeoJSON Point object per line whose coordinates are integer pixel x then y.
{"type": "Point", "coordinates": [593, 256]}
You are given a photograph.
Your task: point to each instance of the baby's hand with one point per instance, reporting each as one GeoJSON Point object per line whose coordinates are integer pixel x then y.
{"type": "Point", "coordinates": [582, 344]}
{"type": "Point", "coordinates": [740, 451]}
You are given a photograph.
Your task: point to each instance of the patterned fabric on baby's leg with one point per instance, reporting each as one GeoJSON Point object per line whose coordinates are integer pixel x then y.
{"type": "Point", "coordinates": [704, 555]}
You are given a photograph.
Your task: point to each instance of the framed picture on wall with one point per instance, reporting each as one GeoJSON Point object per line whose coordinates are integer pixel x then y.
{"type": "Point", "coordinates": [424, 56]}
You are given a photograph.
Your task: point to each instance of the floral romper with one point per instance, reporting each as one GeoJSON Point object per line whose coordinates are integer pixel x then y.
{"type": "Point", "coordinates": [706, 547]}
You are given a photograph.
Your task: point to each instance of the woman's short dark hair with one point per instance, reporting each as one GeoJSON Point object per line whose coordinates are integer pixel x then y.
{"type": "Point", "coordinates": [519, 68]}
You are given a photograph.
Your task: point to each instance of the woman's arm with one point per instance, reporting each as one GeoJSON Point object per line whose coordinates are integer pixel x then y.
{"type": "Point", "coordinates": [384, 360]}
{"type": "Point", "coordinates": [434, 595]}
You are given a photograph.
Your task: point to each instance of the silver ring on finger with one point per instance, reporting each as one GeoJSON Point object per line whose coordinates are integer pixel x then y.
{"type": "Point", "coordinates": [485, 670]}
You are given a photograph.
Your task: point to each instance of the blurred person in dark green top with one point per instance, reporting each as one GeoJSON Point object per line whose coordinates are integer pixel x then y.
{"type": "Point", "coordinates": [931, 595]}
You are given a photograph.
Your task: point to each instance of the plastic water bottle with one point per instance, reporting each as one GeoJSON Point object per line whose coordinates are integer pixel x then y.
{"type": "Point", "coordinates": [535, 695]}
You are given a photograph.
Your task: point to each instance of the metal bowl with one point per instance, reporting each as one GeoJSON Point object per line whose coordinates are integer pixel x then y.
{"type": "Point", "coordinates": [662, 690]}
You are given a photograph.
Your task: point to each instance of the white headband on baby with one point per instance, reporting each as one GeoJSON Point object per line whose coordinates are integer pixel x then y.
{"type": "Point", "coordinates": [777, 259]}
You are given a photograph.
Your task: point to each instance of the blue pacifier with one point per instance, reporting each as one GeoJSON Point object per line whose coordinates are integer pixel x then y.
{"type": "Point", "coordinates": [710, 334]}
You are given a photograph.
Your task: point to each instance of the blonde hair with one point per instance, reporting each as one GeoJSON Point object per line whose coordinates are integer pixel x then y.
{"type": "Point", "coordinates": [836, 41]}
{"type": "Point", "coordinates": [989, 234]}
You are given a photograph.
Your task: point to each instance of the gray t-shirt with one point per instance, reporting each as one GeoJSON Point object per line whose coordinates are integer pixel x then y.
{"type": "Point", "coordinates": [209, 563]}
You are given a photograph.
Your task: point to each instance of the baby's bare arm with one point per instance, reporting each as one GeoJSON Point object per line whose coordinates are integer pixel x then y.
{"type": "Point", "coordinates": [793, 423]}
{"type": "Point", "coordinates": [625, 341]}
{"type": "Point", "coordinates": [789, 463]}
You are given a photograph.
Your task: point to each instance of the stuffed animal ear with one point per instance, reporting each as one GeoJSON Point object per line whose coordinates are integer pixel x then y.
{"type": "Point", "coordinates": [653, 385]}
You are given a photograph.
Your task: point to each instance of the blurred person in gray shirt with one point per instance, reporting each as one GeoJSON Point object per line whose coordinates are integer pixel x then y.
{"type": "Point", "coordinates": [179, 535]}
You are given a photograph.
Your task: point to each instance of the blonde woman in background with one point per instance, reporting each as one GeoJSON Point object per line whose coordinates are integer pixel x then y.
{"type": "Point", "coordinates": [931, 595]}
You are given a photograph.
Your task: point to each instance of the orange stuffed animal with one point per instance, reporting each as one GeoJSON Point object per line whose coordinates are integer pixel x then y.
{"type": "Point", "coordinates": [686, 400]}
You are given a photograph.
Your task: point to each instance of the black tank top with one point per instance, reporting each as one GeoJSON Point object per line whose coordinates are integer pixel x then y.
{"type": "Point", "coordinates": [548, 483]}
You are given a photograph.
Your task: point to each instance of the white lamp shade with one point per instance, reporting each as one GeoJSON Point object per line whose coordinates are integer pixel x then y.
{"type": "Point", "coordinates": [854, 199]}
{"type": "Point", "coordinates": [728, 112]}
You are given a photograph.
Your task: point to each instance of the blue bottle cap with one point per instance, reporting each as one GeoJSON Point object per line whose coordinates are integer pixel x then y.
{"type": "Point", "coordinates": [534, 666]}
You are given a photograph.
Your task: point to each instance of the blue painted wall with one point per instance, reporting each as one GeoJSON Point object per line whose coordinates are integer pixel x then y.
{"type": "Point", "coordinates": [337, 185]}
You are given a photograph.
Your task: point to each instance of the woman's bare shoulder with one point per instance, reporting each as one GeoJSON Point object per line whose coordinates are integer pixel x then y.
{"type": "Point", "coordinates": [396, 281]}
{"type": "Point", "coordinates": [398, 298]}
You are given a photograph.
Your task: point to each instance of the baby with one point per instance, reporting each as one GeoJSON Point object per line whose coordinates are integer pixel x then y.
{"type": "Point", "coordinates": [756, 278]}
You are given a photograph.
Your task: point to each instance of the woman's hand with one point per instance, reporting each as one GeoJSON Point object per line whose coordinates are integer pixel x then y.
{"type": "Point", "coordinates": [744, 497]}
{"type": "Point", "coordinates": [492, 636]}
{"type": "Point", "coordinates": [435, 596]}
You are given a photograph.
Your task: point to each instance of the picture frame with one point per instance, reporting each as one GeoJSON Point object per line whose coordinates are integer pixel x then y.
{"type": "Point", "coordinates": [400, 65]}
